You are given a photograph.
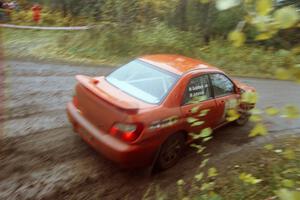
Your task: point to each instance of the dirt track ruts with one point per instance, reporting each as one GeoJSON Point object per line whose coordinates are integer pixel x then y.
{"type": "Point", "coordinates": [41, 158]}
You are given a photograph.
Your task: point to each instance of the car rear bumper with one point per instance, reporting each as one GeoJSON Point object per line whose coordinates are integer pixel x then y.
{"type": "Point", "coordinates": [127, 155]}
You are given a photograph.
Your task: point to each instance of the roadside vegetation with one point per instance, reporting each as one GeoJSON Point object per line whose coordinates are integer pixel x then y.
{"type": "Point", "coordinates": [199, 29]}
{"type": "Point", "coordinates": [246, 38]}
{"type": "Point", "coordinates": [271, 172]}
{"type": "Point", "coordinates": [267, 172]}
{"type": "Point", "coordinates": [111, 48]}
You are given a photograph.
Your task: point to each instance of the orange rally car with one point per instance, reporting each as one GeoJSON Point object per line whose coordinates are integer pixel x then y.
{"type": "Point", "coordinates": [137, 115]}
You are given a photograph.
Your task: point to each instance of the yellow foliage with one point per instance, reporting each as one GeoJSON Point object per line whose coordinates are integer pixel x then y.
{"type": "Point", "coordinates": [263, 36]}
{"type": "Point", "coordinates": [212, 172]}
{"type": "Point", "coordinates": [180, 182]}
{"type": "Point", "coordinates": [237, 38]}
{"type": "Point", "coordinates": [255, 118]}
{"type": "Point", "coordinates": [272, 111]}
{"type": "Point", "coordinates": [203, 112]}
{"type": "Point", "coordinates": [291, 112]}
{"type": "Point", "coordinates": [206, 132]}
{"type": "Point", "coordinates": [269, 146]}
{"type": "Point", "coordinates": [259, 129]}
{"type": "Point", "coordinates": [249, 178]}
{"type": "Point", "coordinates": [195, 109]}
{"type": "Point", "coordinates": [199, 176]}
{"type": "Point", "coordinates": [232, 115]}
{"type": "Point", "coordinates": [263, 7]}
{"type": "Point", "coordinates": [197, 123]}
{"type": "Point", "coordinates": [286, 17]}
{"type": "Point", "coordinates": [191, 119]}
{"type": "Point", "coordinates": [249, 97]}
{"type": "Point", "coordinates": [289, 154]}
{"type": "Point", "coordinates": [285, 194]}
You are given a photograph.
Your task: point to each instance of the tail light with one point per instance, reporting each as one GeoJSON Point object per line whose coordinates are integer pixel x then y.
{"type": "Point", "coordinates": [127, 132]}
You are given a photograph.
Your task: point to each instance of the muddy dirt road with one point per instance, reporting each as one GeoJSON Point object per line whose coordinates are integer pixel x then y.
{"type": "Point", "coordinates": [41, 158]}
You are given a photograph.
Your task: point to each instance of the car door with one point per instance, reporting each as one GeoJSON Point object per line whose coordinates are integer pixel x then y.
{"type": "Point", "coordinates": [198, 103]}
{"type": "Point", "coordinates": [224, 94]}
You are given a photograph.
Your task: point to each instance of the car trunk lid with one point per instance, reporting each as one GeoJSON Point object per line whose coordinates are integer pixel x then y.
{"type": "Point", "coordinates": [103, 104]}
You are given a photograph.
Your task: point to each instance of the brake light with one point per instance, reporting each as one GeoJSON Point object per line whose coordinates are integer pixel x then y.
{"type": "Point", "coordinates": [127, 132]}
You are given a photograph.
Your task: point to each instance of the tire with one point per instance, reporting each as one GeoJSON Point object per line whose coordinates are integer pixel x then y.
{"type": "Point", "coordinates": [242, 120]}
{"type": "Point", "coordinates": [170, 151]}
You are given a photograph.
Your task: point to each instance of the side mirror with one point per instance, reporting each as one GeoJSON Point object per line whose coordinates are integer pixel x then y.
{"type": "Point", "coordinates": [239, 90]}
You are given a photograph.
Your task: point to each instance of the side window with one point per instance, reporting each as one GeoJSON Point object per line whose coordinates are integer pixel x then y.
{"type": "Point", "coordinates": [221, 85]}
{"type": "Point", "coordinates": [197, 90]}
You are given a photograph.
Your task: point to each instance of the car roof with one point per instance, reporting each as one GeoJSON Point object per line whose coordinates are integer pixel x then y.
{"type": "Point", "coordinates": [177, 63]}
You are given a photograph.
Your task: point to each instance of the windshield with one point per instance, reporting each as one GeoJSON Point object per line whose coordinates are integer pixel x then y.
{"type": "Point", "coordinates": [143, 81]}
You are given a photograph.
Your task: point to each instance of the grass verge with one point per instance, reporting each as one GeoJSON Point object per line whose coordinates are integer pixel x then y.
{"type": "Point", "coordinates": [277, 167]}
{"type": "Point", "coordinates": [98, 47]}
{"type": "Point", "coordinates": [271, 173]}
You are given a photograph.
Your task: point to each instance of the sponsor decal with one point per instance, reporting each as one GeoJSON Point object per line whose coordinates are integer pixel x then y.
{"type": "Point", "coordinates": [167, 122]}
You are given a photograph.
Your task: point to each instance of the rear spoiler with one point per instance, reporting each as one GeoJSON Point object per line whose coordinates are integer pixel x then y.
{"type": "Point", "coordinates": [90, 84]}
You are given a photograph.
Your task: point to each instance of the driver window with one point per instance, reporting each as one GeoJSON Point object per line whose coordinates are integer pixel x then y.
{"type": "Point", "coordinates": [221, 84]}
{"type": "Point", "coordinates": [197, 90]}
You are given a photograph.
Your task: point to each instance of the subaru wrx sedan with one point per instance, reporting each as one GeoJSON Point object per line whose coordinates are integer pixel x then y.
{"type": "Point", "coordinates": [137, 115]}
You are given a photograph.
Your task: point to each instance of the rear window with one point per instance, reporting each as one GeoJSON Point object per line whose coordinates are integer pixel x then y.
{"type": "Point", "coordinates": [143, 81]}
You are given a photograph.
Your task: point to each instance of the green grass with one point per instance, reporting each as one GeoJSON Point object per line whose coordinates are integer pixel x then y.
{"type": "Point", "coordinates": [112, 47]}
{"type": "Point", "coordinates": [46, 45]}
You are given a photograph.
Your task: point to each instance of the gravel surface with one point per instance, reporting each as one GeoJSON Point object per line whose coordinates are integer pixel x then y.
{"type": "Point", "coordinates": [41, 158]}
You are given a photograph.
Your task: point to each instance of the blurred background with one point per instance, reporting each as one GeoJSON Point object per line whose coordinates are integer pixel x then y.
{"type": "Point", "coordinates": [120, 30]}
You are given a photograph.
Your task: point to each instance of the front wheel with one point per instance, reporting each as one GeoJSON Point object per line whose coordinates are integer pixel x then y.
{"type": "Point", "coordinates": [242, 120]}
{"type": "Point", "coordinates": [171, 151]}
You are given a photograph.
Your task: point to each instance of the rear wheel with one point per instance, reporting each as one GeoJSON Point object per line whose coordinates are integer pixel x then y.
{"type": "Point", "coordinates": [171, 151]}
